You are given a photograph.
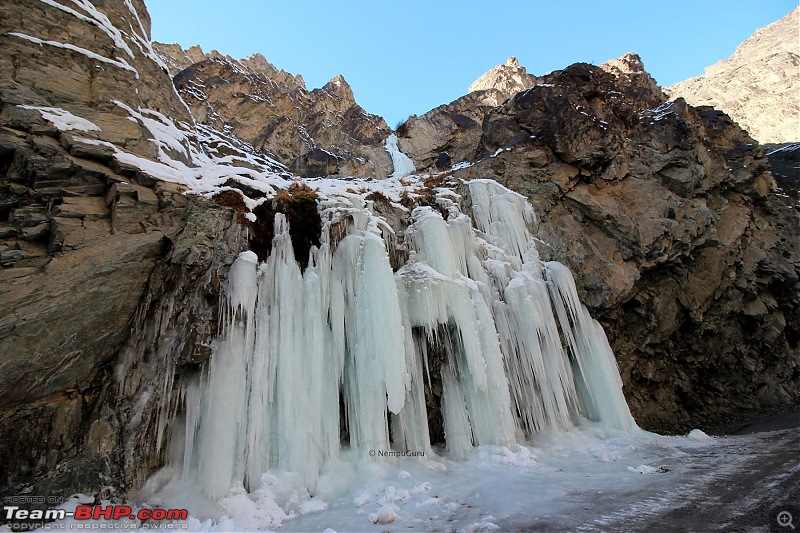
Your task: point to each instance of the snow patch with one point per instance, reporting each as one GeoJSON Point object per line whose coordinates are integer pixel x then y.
{"type": "Point", "coordinates": [386, 515]}
{"type": "Point", "coordinates": [64, 120]}
{"type": "Point", "coordinates": [118, 62]}
{"type": "Point", "coordinates": [643, 469]}
{"type": "Point", "coordinates": [95, 18]}
{"type": "Point", "coordinates": [697, 434]}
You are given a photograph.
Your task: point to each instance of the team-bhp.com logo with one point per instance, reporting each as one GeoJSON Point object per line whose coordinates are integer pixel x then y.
{"type": "Point", "coordinates": [15, 514]}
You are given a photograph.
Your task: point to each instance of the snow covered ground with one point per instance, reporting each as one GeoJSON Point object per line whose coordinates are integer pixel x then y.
{"type": "Point", "coordinates": [588, 479]}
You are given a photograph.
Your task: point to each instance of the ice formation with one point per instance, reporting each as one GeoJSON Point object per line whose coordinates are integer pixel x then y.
{"type": "Point", "coordinates": [344, 346]}
{"type": "Point", "coordinates": [403, 166]}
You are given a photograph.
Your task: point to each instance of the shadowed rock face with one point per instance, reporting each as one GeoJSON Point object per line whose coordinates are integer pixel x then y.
{"type": "Point", "coordinates": [758, 85]}
{"type": "Point", "coordinates": [452, 131]}
{"type": "Point", "coordinates": [785, 162]}
{"type": "Point", "coordinates": [92, 250]}
{"type": "Point", "coordinates": [667, 216]}
{"type": "Point", "coordinates": [315, 133]}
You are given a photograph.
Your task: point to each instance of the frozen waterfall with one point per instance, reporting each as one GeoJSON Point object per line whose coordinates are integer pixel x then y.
{"type": "Point", "coordinates": [351, 348]}
{"type": "Point", "coordinates": [403, 166]}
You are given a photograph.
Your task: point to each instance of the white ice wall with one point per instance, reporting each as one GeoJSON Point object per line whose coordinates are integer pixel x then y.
{"type": "Point", "coordinates": [294, 342]}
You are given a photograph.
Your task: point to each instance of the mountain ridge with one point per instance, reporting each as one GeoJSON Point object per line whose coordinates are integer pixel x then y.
{"type": "Point", "coordinates": [758, 84]}
{"type": "Point", "coordinates": [315, 133]}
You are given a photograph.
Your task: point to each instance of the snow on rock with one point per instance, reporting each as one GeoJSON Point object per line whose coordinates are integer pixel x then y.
{"type": "Point", "coordinates": [481, 527]}
{"type": "Point", "coordinates": [644, 469]}
{"type": "Point", "coordinates": [386, 515]}
{"type": "Point", "coordinates": [181, 159]}
{"type": "Point", "coordinates": [502, 454]}
{"type": "Point", "coordinates": [96, 18]}
{"type": "Point", "coordinates": [697, 434]}
{"type": "Point", "coordinates": [118, 62]}
{"type": "Point", "coordinates": [64, 120]}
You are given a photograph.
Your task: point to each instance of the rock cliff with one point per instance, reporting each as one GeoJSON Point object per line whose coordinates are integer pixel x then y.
{"type": "Point", "coordinates": [93, 247]}
{"type": "Point", "coordinates": [450, 133]}
{"type": "Point", "coordinates": [758, 85]}
{"type": "Point", "coordinates": [668, 217]}
{"type": "Point", "coordinates": [315, 133]}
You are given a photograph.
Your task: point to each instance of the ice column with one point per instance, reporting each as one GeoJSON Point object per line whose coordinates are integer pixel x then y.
{"type": "Point", "coordinates": [597, 372]}
{"type": "Point", "coordinates": [223, 412]}
{"type": "Point", "coordinates": [477, 404]}
{"type": "Point", "coordinates": [403, 165]}
{"type": "Point", "coordinates": [368, 310]}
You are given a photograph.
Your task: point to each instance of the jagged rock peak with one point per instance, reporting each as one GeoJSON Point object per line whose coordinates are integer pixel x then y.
{"type": "Point", "coordinates": [758, 85]}
{"type": "Point", "coordinates": [338, 86]}
{"type": "Point", "coordinates": [315, 133]}
{"type": "Point", "coordinates": [630, 72]}
{"type": "Point", "coordinates": [258, 63]}
{"type": "Point", "coordinates": [178, 59]}
{"type": "Point", "coordinates": [508, 78]}
{"type": "Point", "coordinates": [629, 63]}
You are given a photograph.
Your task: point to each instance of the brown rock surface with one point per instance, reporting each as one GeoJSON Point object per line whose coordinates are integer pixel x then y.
{"type": "Point", "coordinates": [758, 86]}
{"type": "Point", "coordinates": [508, 78]}
{"type": "Point", "coordinates": [92, 248]}
{"type": "Point", "coordinates": [453, 129]}
{"type": "Point", "coordinates": [667, 216]}
{"type": "Point", "coordinates": [315, 133]}
{"type": "Point", "coordinates": [450, 132]}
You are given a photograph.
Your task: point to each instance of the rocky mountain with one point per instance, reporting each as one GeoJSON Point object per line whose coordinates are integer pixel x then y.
{"type": "Point", "coordinates": [122, 209]}
{"type": "Point", "coordinates": [451, 133]}
{"type": "Point", "coordinates": [315, 133]}
{"type": "Point", "coordinates": [666, 214]}
{"type": "Point", "coordinates": [448, 133]}
{"type": "Point", "coordinates": [758, 85]}
{"type": "Point", "coordinates": [508, 78]}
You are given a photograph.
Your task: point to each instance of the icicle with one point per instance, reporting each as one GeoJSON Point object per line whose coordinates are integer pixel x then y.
{"type": "Point", "coordinates": [410, 426]}
{"type": "Point", "coordinates": [598, 372]}
{"type": "Point", "coordinates": [292, 343]}
{"type": "Point", "coordinates": [503, 215]}
{"type": "Point", "coordinates": [375, 370]}
{"type": "Point", "coordinates": [439, 293]}
{"type": "Point", "coordinates": [221, 439]}
{"type": "Point", "coordinates": [456, 419]}
{"type": "Point", "coordinates": [541, 375]}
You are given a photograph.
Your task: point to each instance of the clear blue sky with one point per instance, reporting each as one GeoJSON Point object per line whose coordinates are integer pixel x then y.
{"type": "Point", "coordinates": [408, 56]}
